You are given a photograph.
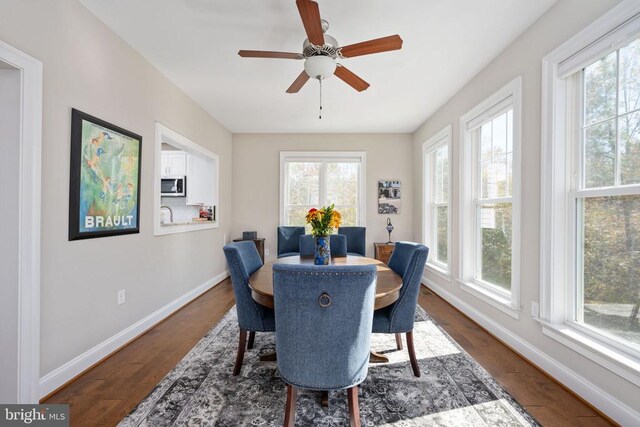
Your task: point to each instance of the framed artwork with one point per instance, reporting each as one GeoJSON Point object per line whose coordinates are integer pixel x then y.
{"type": "Point", "coordinates": [389, 197]}
{"type": "Point", "coordinates": [104, 187]}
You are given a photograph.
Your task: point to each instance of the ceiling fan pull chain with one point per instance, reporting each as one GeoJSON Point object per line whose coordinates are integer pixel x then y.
{"type": "Point", "coordinates": [320, 117]}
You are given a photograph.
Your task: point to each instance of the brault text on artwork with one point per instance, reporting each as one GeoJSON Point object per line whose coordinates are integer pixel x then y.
{"type": "Point", "coordinates": [108, 221]}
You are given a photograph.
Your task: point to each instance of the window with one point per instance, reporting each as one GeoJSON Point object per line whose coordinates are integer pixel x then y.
{"type": "Point", "coordinates": [490, 199]}
{"type": "Point", "coordinates": [606, 198]}
{"type": "Point", "coordinates": [590, 229]}
{"type": "Point", "coordinates": [313, 179]}
{"type": "Point", "coordinates": [437, 198]}
{"type": "Point", "coordinates": [186, 184]}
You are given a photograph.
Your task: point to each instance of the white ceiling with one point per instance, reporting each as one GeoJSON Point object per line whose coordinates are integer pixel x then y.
{"type": "Point", "coordinates": [195, 44]}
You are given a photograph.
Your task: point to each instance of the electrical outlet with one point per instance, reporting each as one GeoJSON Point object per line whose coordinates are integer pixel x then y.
{"type": "Point", "coordinates": [121, 296]}
{"type": "Point", "coordinates": [266, 252]}
{"type": "Point", "coordinates": [535, 310]}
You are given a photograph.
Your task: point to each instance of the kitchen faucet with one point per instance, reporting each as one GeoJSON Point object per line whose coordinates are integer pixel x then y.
{"type": "Point", "coordinates": [170, 212]}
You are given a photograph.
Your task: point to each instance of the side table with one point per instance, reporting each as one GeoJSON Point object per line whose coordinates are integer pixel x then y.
{"type": "Point", "coordinates": [259, 245]}
{"type": "Point", "coordinates": [383, 251]}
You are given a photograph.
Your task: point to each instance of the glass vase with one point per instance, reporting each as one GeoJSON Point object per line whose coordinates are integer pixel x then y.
{"type": "Point", "coordinates": [322, 254]}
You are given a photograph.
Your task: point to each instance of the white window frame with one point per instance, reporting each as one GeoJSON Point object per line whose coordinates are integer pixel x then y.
{"type": "Point", "coordinates": [429, 148]}
{"type": "Point", "coordinates": [507, 97]}
{"type": "Point", "coordinates": [557, 226]}
{"type": "Point", "coordinates": [359, 157]}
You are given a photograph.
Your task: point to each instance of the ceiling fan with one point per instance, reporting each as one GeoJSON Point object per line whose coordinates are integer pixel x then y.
{"type": "Point", "coordinates": [320, 51]}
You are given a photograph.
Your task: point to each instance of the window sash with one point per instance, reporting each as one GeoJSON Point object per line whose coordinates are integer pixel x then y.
{"type": "Point", "coordinates": [323, 159]}
{"type": "Point", "coordinates": [578, 193]}
{"type": "Point", "coordinates": [478, 201]}
{"type": "Point", "coordinates": [431, 159]}
{"type": "Point", "coordinates": [435, 233]}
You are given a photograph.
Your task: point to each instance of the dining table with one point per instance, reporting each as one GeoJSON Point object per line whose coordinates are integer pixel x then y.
{"type": "Point", "coordinates": [387, 287]}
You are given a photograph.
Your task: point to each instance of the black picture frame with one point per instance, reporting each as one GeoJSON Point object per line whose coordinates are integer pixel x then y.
{"type": "Point", "coordinates": [99, 205]}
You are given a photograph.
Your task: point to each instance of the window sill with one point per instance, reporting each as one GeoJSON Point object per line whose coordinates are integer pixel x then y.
{"type": "Point", "coordinates": [438, 271]}
{"type": "Point", "coordinates": [618, 362]}
{"type": "Point", "coordinates": [493, 299]}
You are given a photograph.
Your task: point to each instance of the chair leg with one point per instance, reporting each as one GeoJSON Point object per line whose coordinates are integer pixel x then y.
{"type": "Point", "coordinates": [354, 407]}
{"type": "Point", "coordinates": [399, 341]}
{"type": "Point", "coordinates": [252, 337]}
{"type": "Point", "coordinates": [290, 408]}
{"type": "Point", "coordinates": [412, 354]}
{"type": "Point", "coordinates": [240, 357]}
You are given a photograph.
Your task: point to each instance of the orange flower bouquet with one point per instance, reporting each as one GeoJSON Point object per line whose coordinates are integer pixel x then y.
{"type": "Point", "coordinates": [323, 221]}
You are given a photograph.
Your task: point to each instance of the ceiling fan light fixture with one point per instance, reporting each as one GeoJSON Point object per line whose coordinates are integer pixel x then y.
{"type": "Point", "coordinates": [320, 67]}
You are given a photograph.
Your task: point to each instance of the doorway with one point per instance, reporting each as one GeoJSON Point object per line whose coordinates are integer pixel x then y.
{"type": "Point", "coordinates": [20, 144]}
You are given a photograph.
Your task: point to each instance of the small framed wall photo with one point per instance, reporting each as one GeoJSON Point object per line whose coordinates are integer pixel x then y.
{"type": "Point", "coordinates": [389, 200]}
{"type": "Point", "coordinates": [104, 187]}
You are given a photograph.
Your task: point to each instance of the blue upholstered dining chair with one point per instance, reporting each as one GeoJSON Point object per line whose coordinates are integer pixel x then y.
{"type": "Point", "coordinates": [323, 329]}
{"type": "Point", "coordinates": [356, 240]}
{"type": "Point", "coordinates": [307, 245]}
{"type": "Point", "coordinates": [288, 240]}
{"type": "Point", "coordinates": [407, 260]}
{"type": "Point", "coordinates": [337, 245]}
{"type": "Point", "coordinates": [243, 259]}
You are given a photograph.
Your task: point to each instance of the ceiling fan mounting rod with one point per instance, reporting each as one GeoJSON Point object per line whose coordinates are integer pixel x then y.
{"type": "Point", "coordinates": [320, 115]}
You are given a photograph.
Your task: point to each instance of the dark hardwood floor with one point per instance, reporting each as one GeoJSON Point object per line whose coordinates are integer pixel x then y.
{"type": "Point", "coordinates": [111, 389]}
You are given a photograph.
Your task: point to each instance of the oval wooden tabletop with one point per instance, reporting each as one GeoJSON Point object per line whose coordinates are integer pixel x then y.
{"type": "Point", "coordinates": [387, 287]}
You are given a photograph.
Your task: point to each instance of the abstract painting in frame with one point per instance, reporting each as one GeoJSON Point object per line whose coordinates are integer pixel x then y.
{"type": "Point", "coordinates": [104, 190]}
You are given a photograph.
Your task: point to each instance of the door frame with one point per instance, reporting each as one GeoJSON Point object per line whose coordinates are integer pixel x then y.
{"type": "Point", "coordinates": [29, 212]}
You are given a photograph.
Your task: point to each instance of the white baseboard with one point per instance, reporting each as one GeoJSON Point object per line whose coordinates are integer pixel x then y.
{"type": "Point", "coordinates": [605, 402]}
{"type": "Point", "coordinates": [81, 363]}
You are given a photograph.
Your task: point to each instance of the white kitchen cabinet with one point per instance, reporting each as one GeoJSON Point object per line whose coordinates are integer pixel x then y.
{"type": "Point", "coordinates": [173, 163]}
{"type": "Point", "coordinates": [201, 181]}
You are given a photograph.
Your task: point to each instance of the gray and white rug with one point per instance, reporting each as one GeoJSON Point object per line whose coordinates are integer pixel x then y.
{"type": "Point", "coordinates": [454, 390]}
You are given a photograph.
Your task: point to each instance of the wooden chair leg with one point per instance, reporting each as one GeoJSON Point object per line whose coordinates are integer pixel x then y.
{"type": "Point", "coordinates": [354, 406]}
{"type": "Point", "coordinates": [252, 337]}
{"type": "Point", "coordinates": [399, 341]}
{"type": "Point", "coordinates": [412, 354]}
{"type": "Point", "coordinates": [240, 357]}
{"type": "Point", "coordinates": [324, 398]}
{"type": "Point", "coordinates": [290, 408]}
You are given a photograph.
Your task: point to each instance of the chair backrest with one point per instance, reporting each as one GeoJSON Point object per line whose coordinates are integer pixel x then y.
{"type": "Point", "coordinates": [356, 239]}
{"type": "Point", "coordinates": [407, 260]}
{"type": "Point", "coordinates": [324, 316]}
{"type": "Point", "coordinates": [338, 244]}
{"type": "Point", "coordinates": [243, 259]}
{"type": "Point", "coordinates": [288, 239]}
{"type": "Point", "coordinates": [307, 245]}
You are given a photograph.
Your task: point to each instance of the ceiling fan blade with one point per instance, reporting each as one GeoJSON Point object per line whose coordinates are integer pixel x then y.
{"type": "Point", "coordinates": [383, 44]}
{"type": "Point", "coordinates": [269, 54]}
{"type": "Point", "coordinates": [351, 79]}
{"type": "Point", "coordinates": [298, 83]}
{"type": "Point", "coordinates": [310, 14]}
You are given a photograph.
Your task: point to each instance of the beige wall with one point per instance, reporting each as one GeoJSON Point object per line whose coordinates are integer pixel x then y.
{"type": "Point", "coordinates": [256, 179]}
{"type": "Point", "coordinates": [522, 58]}
{"type": "Point", "coordinates": [88, 67]}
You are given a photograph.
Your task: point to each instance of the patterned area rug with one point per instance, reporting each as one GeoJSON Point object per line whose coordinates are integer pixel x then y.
{"type": "Point", "coordinates": [452, 391]}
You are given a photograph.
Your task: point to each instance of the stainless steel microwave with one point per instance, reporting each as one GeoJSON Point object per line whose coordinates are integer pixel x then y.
{"type": "Point", "coordinates": [174, 186]}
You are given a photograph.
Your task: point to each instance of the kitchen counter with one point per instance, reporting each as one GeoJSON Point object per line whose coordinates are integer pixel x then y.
{"type": "Point", "coordinates": [171, 224]}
